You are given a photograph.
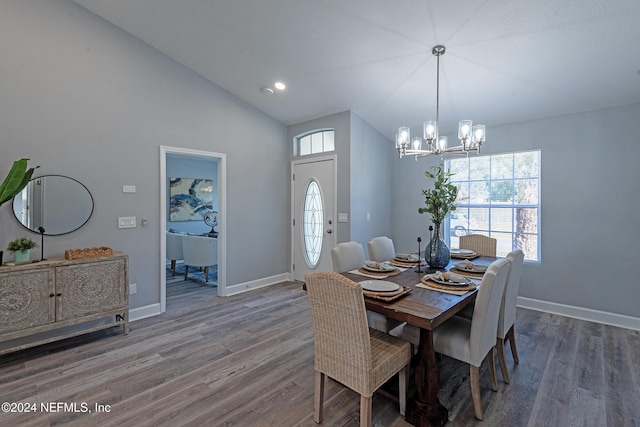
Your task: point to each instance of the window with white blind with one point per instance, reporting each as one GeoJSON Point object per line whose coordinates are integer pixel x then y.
{"type": "Point", "coordinates": [498, 196]}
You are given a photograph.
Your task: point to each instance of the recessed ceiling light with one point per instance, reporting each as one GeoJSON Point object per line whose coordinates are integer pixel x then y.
{"type": "Point", "coordinates": [267, 90]}
{"type": "Point", "coordinates": [279, 85]}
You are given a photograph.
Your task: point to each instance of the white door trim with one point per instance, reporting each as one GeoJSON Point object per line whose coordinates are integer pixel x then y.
{"type": "Point", "coordinates": [334, 214]}
{"type": "Point", "coordinates": [222, 222]}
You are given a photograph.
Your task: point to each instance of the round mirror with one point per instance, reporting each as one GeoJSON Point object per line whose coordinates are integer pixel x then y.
{"type": "Point", "coordinates": [55, 203]}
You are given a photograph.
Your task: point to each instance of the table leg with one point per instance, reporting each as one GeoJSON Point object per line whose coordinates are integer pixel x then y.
{"type": "Point", "coordinates": [425, 410]}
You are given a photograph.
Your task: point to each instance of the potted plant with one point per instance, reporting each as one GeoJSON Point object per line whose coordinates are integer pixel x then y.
{"type": "Point", "coordinates": [21, 248]}
{"type": "Point", "coordinates": [439, 202]}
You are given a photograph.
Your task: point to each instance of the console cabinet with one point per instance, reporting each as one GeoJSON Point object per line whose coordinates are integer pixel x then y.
{"type": "Point", "coordinates": [58, 298]}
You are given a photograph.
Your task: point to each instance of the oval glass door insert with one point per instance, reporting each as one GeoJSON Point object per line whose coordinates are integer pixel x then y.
{"type": "Point", "coordinates": [312, 222]}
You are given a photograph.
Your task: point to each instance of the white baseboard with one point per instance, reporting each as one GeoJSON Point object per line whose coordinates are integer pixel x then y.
{"type": "Point", "coordinates": [255, 284]}
{"type": "Point", "coordinates": [588, 314]}
{"type": "Point", "coordinates": [143, 312]}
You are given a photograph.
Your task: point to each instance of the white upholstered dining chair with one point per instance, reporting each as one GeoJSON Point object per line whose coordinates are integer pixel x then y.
{"type": "Point", "coordinates": [174, 249]}
{"type": "Point", "coordinates": [479, 243]}
{"type": "Point", "coordinates": [507, 317]}
{"type": "Point", "coordinates": [471, 341]}
{"type": "Point", "coordinates": [349, 256]}
{"type": "Point", "coordinates": [381, 249]}
{"type": "Point", "coordinates": [199, 251]}
{"type": "Point", "coordinates": [346, 349]}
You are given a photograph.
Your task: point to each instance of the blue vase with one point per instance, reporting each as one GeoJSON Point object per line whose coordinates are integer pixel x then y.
{"type": "Point", "coordinates": [437, 253]}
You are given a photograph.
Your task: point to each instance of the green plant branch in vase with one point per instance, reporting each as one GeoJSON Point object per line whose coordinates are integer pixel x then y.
{"type": "Point", "coordinates": [16, 180]}
{"type": "Point", "coordinates": [439, 201]}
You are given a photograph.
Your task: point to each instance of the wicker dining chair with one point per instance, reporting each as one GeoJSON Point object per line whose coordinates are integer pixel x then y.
{"type": "Point", "coordinates": [348, 256]}
{"type": "Point", "coordinates": [471, 341]}
{"type": "Point", "coordinates": [346, 349]}
{"type": "Point", "coordinates": [381, 249]}
{"type": "Point", "coordinates": [479, 243]}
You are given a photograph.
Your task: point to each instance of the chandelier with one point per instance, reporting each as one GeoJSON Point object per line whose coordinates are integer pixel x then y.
{"type": "Point", "coordinates": [471, 137]}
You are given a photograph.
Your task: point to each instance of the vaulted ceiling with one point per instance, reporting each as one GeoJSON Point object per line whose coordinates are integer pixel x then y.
{"type": "Point", "coordinates": [506, 60]}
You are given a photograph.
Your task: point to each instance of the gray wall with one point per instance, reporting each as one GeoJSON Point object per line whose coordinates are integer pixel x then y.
{"type": "Point", "coordinates": [371, 182]}
{"type": "Point", "coordinates": [84, 99]}
{"type": "Point", "coordinates": [589, 187]}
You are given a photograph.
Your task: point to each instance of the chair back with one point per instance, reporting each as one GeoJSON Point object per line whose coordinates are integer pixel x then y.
{"type": "Point", "coordinates": [199, 251]}
{"type": "Point", "coordinates": [381, 249]}
{"type": "Point", "coordinates": [347, 256]}
{"type": "Point", "coordinates": [509, 301]}
{"type": "Point", "coordinates": [174, 246]}
{"type": "Point", "coordinates": [341, 340]}
{"type": "Point", "coordinates": [479, 243]}
{"type": "Point", "coordinates": [486, 311]}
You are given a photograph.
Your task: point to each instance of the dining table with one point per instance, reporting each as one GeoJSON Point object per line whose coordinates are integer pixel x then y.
{"type": "Point", "coordinates": [427, 309]}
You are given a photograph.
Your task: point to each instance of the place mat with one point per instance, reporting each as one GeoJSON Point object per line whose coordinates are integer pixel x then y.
{"type": "Point", "coordinates": [393, 272]}
{"type": "Point", "coordinates": [458, 293]}
{"type": "Point", "coordinates": [384, 296]}
{"type": "Point", "coordinates": [465, 256]}
{"type": "Point", "coordinates": [408, 264]}
{"type": "Point", "coordinates": [466, 272]}
{"type": "Point", "coordinates": [436, 285]}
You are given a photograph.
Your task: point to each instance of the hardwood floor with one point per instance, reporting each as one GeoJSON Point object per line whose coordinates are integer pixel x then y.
{"type": "Point", "coordinates": [247, 360]}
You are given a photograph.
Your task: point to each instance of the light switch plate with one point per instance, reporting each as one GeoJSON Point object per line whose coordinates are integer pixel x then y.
{"type": "Point", "coordinates": [126, 222]}
{"type": "Point", "coordinates": [128, 188]}
{"type": "Point", "coordinates": [343, 217]}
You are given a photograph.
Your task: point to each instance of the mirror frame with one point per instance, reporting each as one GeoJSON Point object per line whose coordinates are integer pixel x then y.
{"type": "Point", "coordinates": [48, 233]}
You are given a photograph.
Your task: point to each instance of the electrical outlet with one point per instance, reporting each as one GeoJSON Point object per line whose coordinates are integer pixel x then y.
{"type": "Point", "coordinates": [133, 289]}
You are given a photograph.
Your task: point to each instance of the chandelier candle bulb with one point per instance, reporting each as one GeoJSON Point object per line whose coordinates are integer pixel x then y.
{"type": "Point", "coordinates": [478, 135]}
{"type": "Point", "coordinates": [442, 143]}
{"type": "Point", "coordinates": [464, 130]}
{"type": "Point", "coordinates": [430, 130]}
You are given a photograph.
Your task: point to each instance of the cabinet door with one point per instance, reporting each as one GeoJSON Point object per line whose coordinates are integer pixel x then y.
{"type": "Point", "coordinates": [26, 299]}
{"type": "Point", "coordinates": [90, 288]}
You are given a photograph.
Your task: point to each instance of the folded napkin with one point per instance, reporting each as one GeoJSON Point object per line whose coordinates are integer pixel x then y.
{"type": "Point", "coordinates": [378, 265]}
{"type": "Point", "coordinates": [465, 264]}
{"type": "Point", "coordinates": [406, 257]}
{"type": "Point", "coordinates": [447, 277]}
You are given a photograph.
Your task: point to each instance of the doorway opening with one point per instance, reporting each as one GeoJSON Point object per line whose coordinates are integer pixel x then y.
{"type": "Point", "coordinates": [177, 152]}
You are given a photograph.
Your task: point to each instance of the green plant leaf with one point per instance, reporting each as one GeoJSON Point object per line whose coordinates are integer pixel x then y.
{"type": "Point", "coordinates": [16, 180]}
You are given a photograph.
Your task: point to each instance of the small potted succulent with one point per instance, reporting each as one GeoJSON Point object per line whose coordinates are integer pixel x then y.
{"type": "Point", "coordinates": [21, 248]}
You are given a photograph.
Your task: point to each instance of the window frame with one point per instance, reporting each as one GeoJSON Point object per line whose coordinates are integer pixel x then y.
{"type": "Point", "coordinates": [328, 145]}
{"type": "Point", "coordinates": [493, 207]}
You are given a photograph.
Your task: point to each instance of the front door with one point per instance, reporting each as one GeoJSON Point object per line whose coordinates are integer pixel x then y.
{"type": "Point", "coordinates": [313, 222]}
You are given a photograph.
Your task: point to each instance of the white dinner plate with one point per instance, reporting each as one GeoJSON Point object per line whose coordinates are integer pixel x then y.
{"type": "Point", "coordinates": [466, 282]}
{"type": "Point", "coordinates": [462, 251]}
{"type": "Point", "coordinates": [475, 269]}
{"type": "Point", "coordinates": [379, 286]}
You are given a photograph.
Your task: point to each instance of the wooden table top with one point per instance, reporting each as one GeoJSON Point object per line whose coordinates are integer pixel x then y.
{"type": "Point", "coordinates": [422, 307]}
